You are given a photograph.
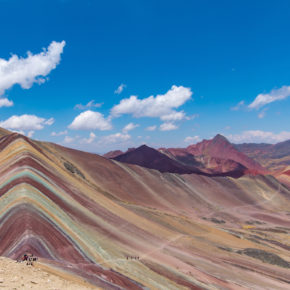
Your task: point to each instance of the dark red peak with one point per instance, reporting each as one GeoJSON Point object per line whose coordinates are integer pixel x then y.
{"type": "Point", "coordinates": [151, 158]}
{"type": "Point", "coordinates": [143, 150]}
{"type": "Point", "coordinates": [143, 147]}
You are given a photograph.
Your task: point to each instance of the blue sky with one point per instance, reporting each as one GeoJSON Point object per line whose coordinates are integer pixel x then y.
{"type": "Point", "coordinates": [186, 70]}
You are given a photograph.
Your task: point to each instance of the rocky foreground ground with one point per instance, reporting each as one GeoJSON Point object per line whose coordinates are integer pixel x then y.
{"type": "Point", "coordinates": [20, 276]}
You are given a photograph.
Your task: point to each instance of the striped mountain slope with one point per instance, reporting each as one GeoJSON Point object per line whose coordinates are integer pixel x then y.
{"type": "Point", "coordinates": [122, 226]}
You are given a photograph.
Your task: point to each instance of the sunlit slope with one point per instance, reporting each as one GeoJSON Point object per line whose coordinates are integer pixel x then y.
{"type": "Point", "coordinates": [185, 205]}
{"type": "Point", "coordinates": [89, 216]}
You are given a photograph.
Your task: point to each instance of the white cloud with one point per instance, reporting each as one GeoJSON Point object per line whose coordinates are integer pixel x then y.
{"type": "Point", "coordinates": [90, 120]}
{"type": "Point", "coordinates": [192, 139]}
{"type": "Point", "coordinates": [25, 122]}
{"type": "Point", "coordinates": [59, 133]}
{"type": "Point", "coordinates": [89, 140]}
{"type": "Point", "coordinates": [30, 134]}
{"type": "Point", "coordinates": [90, 104]}
{"type": "Point", "coordinates": [115, 138]}
{"type": "Point", "coordinates": [168, 127]}
{"type": "Point", "coordinates": [5, 103]}
{"type": "Point", "coordinates": [151, 128]}
{"type": "Point", "coordinates": [130, 127]}
{"type": "Point", "coordinates": [275, 95]}
{"type": "Point", "coordinates": [161, 106]}
{"type": "Point", "coordinates": [239, 106]}
{"type": "Point", "coordinates": [174, 116]}
{"type": "Point", "coordinates": [49, 122]}
{"type": "Point", "coordinates": [255, 136]}
{"type": "Point", "coordinates": [120, 89]}
{"type": "Point", "coordinates": [29, 70]}
{"type": "Point", "coordinates": [68, 139]}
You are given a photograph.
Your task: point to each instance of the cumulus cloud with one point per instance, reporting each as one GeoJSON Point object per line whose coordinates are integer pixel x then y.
{"type": "Point", "coordinates": [255, 136]}
{"type": "Point", "coordinates": [161, 106]}
{"type": "Point", "coordinates": [68, 139]}
{"type": "Point", "coordinates": [59, 133]}
{"type": "Point", "coordinates": [120, 89]}
{"type": "Point", "coordinates": [168, 127]}
{"type": "Point", "coordinates": [275, 95]}
{"type": "Point", "coordinates": [239, 106]}
{"type": "Point", "coordinates": [4, 102]}
{"type": "Point", "coordinates": [90, 104]}
{"type": "Point", "coordinates": [174, 116]}
{"type": "Point", "coordinates": [192, 139]}
{"type": "Point", "coordinates": [25, 122]}
{"type": "Point", "coordinates": [32, 69]}
{"type": "Point", "coordinates": [130, 127]}
{"type": "Point", "coordinates": [90, 120]}
{"type": "Point", "coordinates": [115, 138]}
{"type": "Point", "coordinates": [89, 140]}
{"type": "Point", "coordinates": [151, 128]}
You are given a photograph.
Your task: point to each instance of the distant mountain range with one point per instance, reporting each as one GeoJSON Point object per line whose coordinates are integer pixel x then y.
{"type": "Point", "coordinates": [271, 156]}
{"type": "Point", "coordinates": [215, 157]}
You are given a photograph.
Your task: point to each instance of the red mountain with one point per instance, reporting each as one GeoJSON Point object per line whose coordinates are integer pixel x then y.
{"type": "Point", "coordinates": [219, 147]}
{"type": "Point", "coordinates": [214, 156]}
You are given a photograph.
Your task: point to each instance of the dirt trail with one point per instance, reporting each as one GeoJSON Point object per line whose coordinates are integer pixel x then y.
{"type": "Point", "coordinates": [20, 276]}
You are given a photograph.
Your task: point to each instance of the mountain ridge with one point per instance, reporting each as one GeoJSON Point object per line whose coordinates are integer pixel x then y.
{"type": "Point", "coordinates": [210, 157]}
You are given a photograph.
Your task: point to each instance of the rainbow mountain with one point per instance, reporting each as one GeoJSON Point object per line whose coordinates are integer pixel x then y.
{"type": "Point", "coordinates": [124, 226]}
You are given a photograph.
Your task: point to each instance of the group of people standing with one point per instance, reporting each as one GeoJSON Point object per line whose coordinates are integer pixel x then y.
{"type": "Point", "coordinates": [133, 257]}
{"type": "Point", "coordinates": [29, 259]}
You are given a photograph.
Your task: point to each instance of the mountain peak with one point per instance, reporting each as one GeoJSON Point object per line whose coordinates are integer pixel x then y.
{"type": "Point", "coordinates": [144, 146]}
{"type": "Point", "coordinates": [220, 138]}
